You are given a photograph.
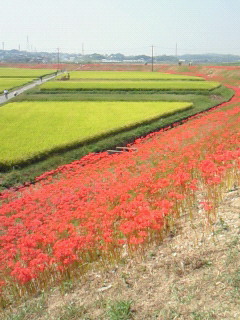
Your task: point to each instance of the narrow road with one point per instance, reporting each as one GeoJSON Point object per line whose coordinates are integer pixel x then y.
{"type": "Point", "coordinates": [25, 87]}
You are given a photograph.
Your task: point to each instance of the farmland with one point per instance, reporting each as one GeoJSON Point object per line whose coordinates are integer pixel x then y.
{"type": "Point", "coordinates": [45, 140]}
{"type": "Point", "coordinates": [102, 209]}
{"type": "Point", "coordinates": [119, 75]}
{"type": "Point", "coordinates": [11, 83]}
{"type": "Point", "coordinates": [172, 85]}
{"type": "Point", "coordinates": [24, 73]}
{"type": "Point", "coordinates": [12, 78]}
{"type": "Point", "coordinates": [45, 126]}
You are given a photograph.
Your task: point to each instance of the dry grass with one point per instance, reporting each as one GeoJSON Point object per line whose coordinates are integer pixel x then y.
{"type": "Point", "coordinates": [193, 274]}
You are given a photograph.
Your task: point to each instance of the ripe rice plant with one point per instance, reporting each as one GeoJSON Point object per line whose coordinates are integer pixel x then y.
{"type": "Point", "coordinates": [23, 72]}
{"type": "Point", "coordinates": [130, 85]}
{"type": "Point", "coordinates": [133, 75]}
{"type": "Point", "coordinates": [32, 129]}
{"type": "Point", "coordinates": [11, 83]}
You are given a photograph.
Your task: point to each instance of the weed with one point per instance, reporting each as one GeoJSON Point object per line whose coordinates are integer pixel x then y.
{"type": "Point", "coordinates": [170, 314]}
{"type": "Point", "coordinates": [234, 242]}
{"type": "Point", "coordinates": [233, 254]}
{"type": "Point", "coordinates": [119, 310]}
{"type": "Point", "coordinates": [234, 280]}
{"type": "Point", "coordinates": [203, 315]}
{"type": "Point", "coordinates": [179, 294]}
{"type": "Point", "coordinates": [223, 226]}
{"type": "Point", "coordinates": [71, 311]}
{"type": "Point", "coordinates": [28, 311]}
{"type": "Point", "coordinates": [67, 286]}
{"type": "Point", "coordinates": [100, 303]}
{"type": "Point", "coordinates": [152, 254]}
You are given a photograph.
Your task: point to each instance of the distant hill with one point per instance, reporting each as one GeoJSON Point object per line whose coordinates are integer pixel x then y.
{"type": "Point", "coordinates": [17, 56]}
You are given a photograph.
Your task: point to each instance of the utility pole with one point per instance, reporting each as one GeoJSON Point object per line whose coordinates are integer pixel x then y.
{"type": "Point", "coordinates": [58, 57]}
{"type": "Point", "coordinates": [3, 46]}
{"type": "Point", "coordinates": [176, 52]}
{"type": "Point", "coordinates": [82, 49]}
{"type": "Point", "coordinates": [152, 58]}
{"type": "Point", "coordinates": [27, 43]}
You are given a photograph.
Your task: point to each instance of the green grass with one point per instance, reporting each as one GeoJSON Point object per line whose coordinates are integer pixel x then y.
{"type": "Point", "coordinates": [119, 310]}
{"type": "Point", "coordinates": [36, 95]}
{"type": "Point", "coordinates": [11, 83]}
{"type": "Point", "coordinates": [136, 75]}
{"type": "Point", "coordinates": [23, 72]}
{"type": "Point", "coordinates": [130, 85]}
{"type": "Point", "coordinates": [71, 311]}
{"type": "Point", "coordinates": [33, 309]}
{"type": "Point", "coordinates": [31, 129]}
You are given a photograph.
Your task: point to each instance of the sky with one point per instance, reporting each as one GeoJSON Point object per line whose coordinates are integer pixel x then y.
{"type": "Point", "coordinates": [130, 27]}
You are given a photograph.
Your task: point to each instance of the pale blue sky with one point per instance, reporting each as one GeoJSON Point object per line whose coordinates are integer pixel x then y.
{"type": "Point", "coordinates": [126, 26]}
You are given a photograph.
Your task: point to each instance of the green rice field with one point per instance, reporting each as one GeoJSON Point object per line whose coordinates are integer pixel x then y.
{"type": "Point", "coordinates": [23, 72]}
{"type": "Point", "coordinates": [130, 85]}
{"type": "Point", "coordinates": [29, 129]}
{"type": "Point", "coordinates": [10, 83]}
{"type": "Point", "coordinates": [11, 78]}
{"type": "Point", "coordinates": [134, 75]}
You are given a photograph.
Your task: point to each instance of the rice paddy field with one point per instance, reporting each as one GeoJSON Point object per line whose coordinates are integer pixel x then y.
{"type": "Point", "coordinates": [23, 72]}
{"type": "Point", "coordinates": [11, 78]}
{"type": "Point", "coordinates": [91, 111]}
{"type": "Point", "coordinates": [134, 75]}
{"type": "Point", "coordinates": [11, 83]}
{"type": "Point", "coordinates": [130, 85]}
{"type": "Point", "coordinates": [29, 129]}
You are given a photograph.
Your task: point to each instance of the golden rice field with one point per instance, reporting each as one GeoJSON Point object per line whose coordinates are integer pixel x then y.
{"type": "Point", "coordinates": [29, 129]}
{"type": "Point", "coordinates": [134, 75]}
{"type": "Point", "coordinates": [11, 83]}
{"type": "Point", "coordinates": [11, 78]}
{"type": "Point", "coordinates": [23, 72]}
{"type": "Point", "coordinates": [130, 85]}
